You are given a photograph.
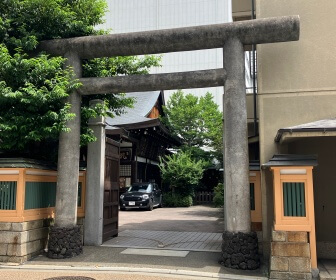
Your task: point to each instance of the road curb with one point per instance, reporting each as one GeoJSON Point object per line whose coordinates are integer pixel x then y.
{"type": "Point", "coordinates": [149, 271]}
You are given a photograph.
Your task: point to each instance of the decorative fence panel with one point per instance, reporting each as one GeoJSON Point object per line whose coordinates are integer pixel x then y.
{"type": "Point", "coordinates": [28, 194]}
{"type": "Point", "coordinates": [40, 195]}
{"type": "Point", "coordinates": [8, 195]}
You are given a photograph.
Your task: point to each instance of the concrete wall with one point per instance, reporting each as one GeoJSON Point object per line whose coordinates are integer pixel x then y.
{"type": "Point", "coordinates": [296, 80]}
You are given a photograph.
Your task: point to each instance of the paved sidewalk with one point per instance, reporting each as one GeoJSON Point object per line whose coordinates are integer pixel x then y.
{"type": "Point", "coordinates": [173, 235]}
{"type": "Point", "coordinates": [200, 264]}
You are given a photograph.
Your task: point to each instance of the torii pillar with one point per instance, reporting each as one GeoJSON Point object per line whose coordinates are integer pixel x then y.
{"type": "Point", "coordinates": [239, 244]}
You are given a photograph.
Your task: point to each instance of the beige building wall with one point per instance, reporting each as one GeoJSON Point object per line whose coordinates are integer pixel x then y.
{"type": "Point", "coordinates": [296, 80]}
{"type": "Point", "coordinates": [241, 9]}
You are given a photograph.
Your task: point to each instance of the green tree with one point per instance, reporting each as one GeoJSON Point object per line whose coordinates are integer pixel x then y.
{"type": "Point", "coordinates": [33, 90]}
{"type": "Point", "coordinates": [181, 172]}
{"type": "Point", "coordinates": [198, 122]}
{"type": "Point", "coordinates": [219, 195]}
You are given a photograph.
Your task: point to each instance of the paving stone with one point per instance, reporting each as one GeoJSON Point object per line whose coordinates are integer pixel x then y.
{"type": "Point", "coordinates": [297, 236]}
{"type": "Point", "coordinates": [13, 259]}
{"type": "Point", "coordinates": [155, 252]}
{"type": "Point", "coordinates": [289, 275]}
{"type": "Point", "coordinates": [205, 241]}
{"type": "Point", "coordinates": [293, 249]}
{"type": "Point", "coordinates": [5, 226]}
{"type": "Point", "coordinates": [39, 233]}
{"type": "Point", "coordinates": [24, 249]}
{"type": "Point", "coordinates": [279, 264]}
{"type": "Point", "coordinates": [27, 225]}
{"type": "Point", "coordinates": [3, 249]}
{"type": "Point", "coordinates": [10, 237]}
{"type": "Point", "coordinates": [279, 236]}
{"type": "Point", "coordinates": [299, 264]}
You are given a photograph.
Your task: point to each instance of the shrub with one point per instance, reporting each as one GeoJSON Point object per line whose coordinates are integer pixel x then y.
{"type": "Point", "coordinates": [219, 195]}
{"type": "Point", "coordinates": [176, 200]}
{"type": "Point", "coordinates": [181, 172]}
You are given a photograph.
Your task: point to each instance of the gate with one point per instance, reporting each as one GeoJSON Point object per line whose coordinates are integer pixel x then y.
{"type": "Point", "coordinates": [111, 190]}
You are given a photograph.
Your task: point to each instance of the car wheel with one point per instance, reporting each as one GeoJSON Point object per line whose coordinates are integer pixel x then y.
{"type": "Point", "coordinates": [160, 204]}
{"type": "Point", "coordinates": [122, 208]}
{"type": "Point", "coordinates": [150, 206]}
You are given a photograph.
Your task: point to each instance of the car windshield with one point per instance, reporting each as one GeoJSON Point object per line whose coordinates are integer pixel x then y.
{"type": "Point", "coordinates": [140, 188]}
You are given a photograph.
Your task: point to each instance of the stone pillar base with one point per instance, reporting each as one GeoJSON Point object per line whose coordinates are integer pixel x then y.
{"type": "Point", "coordinates": [240, 250]}
{"type": "Point", "coordinates": [64, 242]}
{"type": "Point", "coordinates": [20, 241]}
{"type": "Point", "coordinates": [290, 255]}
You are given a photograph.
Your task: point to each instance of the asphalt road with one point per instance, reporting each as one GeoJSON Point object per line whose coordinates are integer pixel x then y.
{"type": "Point", "coordinates": [85, 275]}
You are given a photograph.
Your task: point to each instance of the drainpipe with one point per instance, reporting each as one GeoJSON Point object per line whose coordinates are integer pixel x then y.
{"type": "Point", "coordinates": [254, 81]}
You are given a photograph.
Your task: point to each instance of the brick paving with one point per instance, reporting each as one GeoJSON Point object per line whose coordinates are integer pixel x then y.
{"type": "Point", "coordinates": [191, 241]}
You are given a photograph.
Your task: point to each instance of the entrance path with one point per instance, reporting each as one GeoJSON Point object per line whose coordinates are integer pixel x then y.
{"type": "Point", "coordinates": [197, 228]}
{"type": "Point", "coordinates": [175, 240]}
{"type": "Point", "coordinates": [192, 219]}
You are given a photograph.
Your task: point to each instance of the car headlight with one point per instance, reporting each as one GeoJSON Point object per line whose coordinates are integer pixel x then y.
{"type": "Point", "coordinates": [145, 196]}
{"type": "Point", "coordinates": [122, 196]}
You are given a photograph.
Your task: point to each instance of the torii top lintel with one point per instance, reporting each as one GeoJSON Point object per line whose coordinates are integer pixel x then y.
{"type": "Point", "coordinates": [259, 31]}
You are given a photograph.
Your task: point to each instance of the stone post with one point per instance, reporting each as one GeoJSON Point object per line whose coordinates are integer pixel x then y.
{"type": "Point", "coordinates": [65, 239]}
{"type": "Point", "coordinates": [93, 230]}
{"type": "Point", "coordinates": [240, 246]}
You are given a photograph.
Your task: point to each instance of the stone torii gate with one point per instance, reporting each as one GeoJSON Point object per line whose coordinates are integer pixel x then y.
{"type": "Point", "coordinates": [231, 37]}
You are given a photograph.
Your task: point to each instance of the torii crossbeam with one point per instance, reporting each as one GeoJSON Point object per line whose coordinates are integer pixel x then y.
{"type": "Point", "coordinates": [231, 37]}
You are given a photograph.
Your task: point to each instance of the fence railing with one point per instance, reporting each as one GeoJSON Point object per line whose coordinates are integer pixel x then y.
{"type": "Point", "coordinates": [204, 197]}
{"type": "Point", "coordinates": [28, 194]}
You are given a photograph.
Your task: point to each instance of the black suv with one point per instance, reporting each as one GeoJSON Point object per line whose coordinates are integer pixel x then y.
{"type": "Point", "coordinates": [141, 195]}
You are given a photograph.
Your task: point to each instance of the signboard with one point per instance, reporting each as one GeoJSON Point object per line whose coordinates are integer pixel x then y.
{"type": "Point", "coordinates": [125, 154]}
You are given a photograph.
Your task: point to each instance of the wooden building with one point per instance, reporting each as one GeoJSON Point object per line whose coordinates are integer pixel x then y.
{"type": "Point", "coordinates": [142, 136]}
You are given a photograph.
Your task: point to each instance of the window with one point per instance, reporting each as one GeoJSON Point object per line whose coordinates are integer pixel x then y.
{"type": "Point", "coordinates": [294, 199]}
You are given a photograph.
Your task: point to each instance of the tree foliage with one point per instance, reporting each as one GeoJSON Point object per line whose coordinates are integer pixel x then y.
{"type": "Point", "coordinates": [181, 171]}
{"type": "Point", "coordinates": [26, 22]}
{"type": "Point", "coordinates": [198, 122]}
{"type": "Point", "coordinates": [31, 98]}
{"type": "Point", "coordinates": [219, 195]}
{"type": "Point", "coordinates": [33, 90]}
